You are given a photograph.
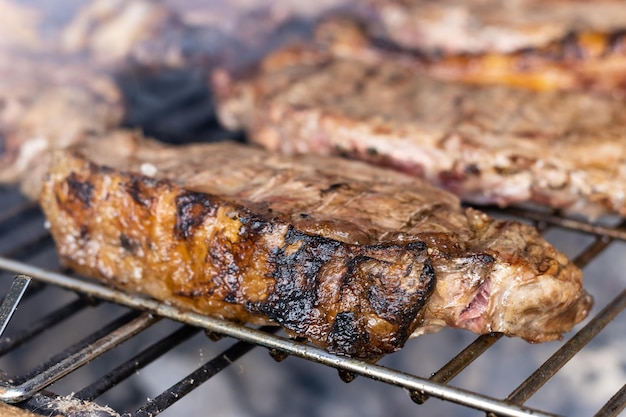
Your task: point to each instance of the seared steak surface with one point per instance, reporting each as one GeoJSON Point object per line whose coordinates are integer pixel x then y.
{"type": "Point", "coordinates": [352, 257]}
{"type": "Point", "coordinates": [582, 61]}
{"type": "Point", "coordinates": [488, 144]}
{"type": "Point", "coordinates": [458, 26]}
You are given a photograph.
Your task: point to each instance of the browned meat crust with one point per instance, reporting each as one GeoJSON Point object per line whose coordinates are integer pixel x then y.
{"type": "Point", "coordinates": [488, 144]}
{"type": "Point", "coordinates": [352, 257]}
{"type": "Point", "coordinates": [107, 33]}
{"type": "Point", "coordinates": [458, 26]}
{"type": "Point", "coordinates": [584, 61]}
{"type": "Point", "coordinates": [110, 32]}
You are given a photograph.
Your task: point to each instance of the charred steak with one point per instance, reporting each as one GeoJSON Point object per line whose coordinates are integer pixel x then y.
{"type": "Point", "coordinates": [352, 257]}
{"type": "Point", "coordinates": [488, 144]}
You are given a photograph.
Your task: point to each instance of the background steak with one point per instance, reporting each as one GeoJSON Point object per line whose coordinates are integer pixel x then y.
{"type": "Point", "coordinates": [488, 144]}
{"type": "Point", "coordinates": [457, 26]}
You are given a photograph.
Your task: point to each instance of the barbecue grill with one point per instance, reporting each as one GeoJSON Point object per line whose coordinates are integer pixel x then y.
{"type": "Point", "coordinates": [75, 347]}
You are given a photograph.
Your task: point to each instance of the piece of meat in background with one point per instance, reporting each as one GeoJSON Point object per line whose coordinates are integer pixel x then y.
{"type": "Point", "coordinates": [315, 390]}
{"type": "Point", "coordinates": [581, 61]}
{"type": "Point", "coordinates": [490, 144]}
{"type": "Point", "coordinates": [478, 26]}
{"type": "Point", "coordinates": [145, 61]}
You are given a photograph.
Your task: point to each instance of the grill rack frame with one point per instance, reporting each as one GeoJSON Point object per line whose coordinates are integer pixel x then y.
{"type": "Point", "coordinates": [420, 389]}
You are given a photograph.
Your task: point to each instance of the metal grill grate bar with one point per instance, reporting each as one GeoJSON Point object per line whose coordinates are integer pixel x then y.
{"type": "Point", "coordinates": [8, 217]}
{"type": "Point", "coordinates": [101, 333]}
{"type": "Point", "coordinates": [134, 364]}
{"type": "Point", "coordinates": [53, 372]}
{"type": "Point", "coordinates": [615, 405]}
{"type": "Point", "coordinates": [34, 245]}
{"type": "Point", "coordinates": [11, 300]}
{"type": "Point", "coordinates": [618, 232]}
{"type": "Point", "coordinates": [50, 404]}
{"type": "Point", "coordinates": [459, 363]}
{"type": "Point", "coordinates": [590, 253]}
{"type": "Point", "coordinates": [568, 350]}
{"type": "Point", "coordinates": [196, 378]}
{"type": "Point", "coordinates": [50, 320]}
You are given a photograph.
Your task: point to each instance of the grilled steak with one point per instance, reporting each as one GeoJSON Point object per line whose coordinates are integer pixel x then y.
{"type": "Point", "coordinates": [586, 61]}
{"type": "Point", "coordinates": [455, 26]}
{"type": "Point", "coordinates": [160, 33]}
{"type": "Point", "coordinates": [45, 105]}
{"type": "Point", "coordinates": [352, 257]}
{"type": "Point", "coordinates": [60, 67]}
{"type": "Point", "coordinates": [488, 144]}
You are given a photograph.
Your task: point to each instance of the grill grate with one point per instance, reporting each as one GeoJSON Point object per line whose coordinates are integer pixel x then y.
{"type": "Point", "coordinates": [27, 242]}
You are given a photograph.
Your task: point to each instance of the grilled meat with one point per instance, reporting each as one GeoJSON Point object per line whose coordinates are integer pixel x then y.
{"type": "Point", "coordinates": [586, 61]}
{"type": "Point", "coordinates": [459, 26]}
{"type": "Point", "coordinates": [60, 67]}
{"type": "Point", "coordinates": [158, 34]}
{"type": "Point", "coordinates": [488, 144]}
{"type": "Point", "coordinates": [49, 105]}
{"type": "Point", "coordinates": [352, 257]}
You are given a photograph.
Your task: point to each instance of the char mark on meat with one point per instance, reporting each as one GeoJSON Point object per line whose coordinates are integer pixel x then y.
{"type": "Point", "coordinates": [373, 263]}
{"type": "Point", "coordinates": [490, 144]}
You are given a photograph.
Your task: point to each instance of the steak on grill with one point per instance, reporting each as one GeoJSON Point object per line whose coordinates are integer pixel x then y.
{"type": "Point", "coordinates": [352, 257]}
{"type": "Point", "coordinates": [116, 34]}
{"type": "Point", "coordinates": [585, 61]}
{"type": "Point", "coordinates": [459, 26]}
{"type": "Point", "coordinates": [488, 144]}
